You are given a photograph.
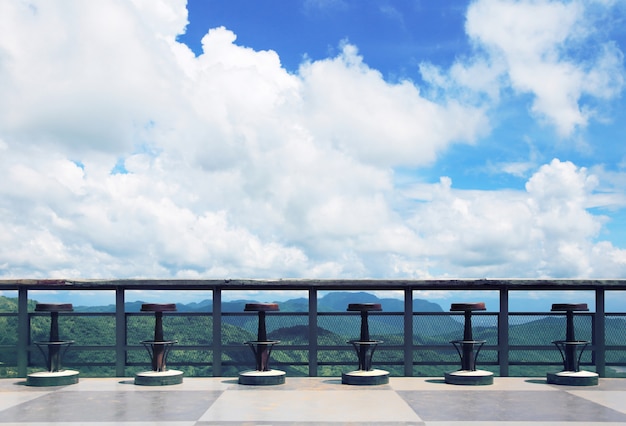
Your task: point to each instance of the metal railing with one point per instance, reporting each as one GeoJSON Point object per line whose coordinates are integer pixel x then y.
{"type": "Point", "coordinates": [416, 343]}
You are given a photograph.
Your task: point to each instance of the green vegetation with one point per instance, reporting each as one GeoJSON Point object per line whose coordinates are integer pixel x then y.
{"type": "Point", "coordinates": [94, 335]}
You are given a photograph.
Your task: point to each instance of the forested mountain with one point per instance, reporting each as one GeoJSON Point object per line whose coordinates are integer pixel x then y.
{"type": "Point", "coordinates": [335, 328]}
{"type": "Point", "coordinates": [332, 302]}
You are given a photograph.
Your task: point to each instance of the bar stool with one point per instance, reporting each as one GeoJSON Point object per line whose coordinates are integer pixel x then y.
{"type": "Point", "coordinates": [262, 349]}
{"type": "Point", "coordinates": [158, 349]}
{"type": "Point", "coordinates": [572, 374]}
{"type": "Point", "coordinates": [468, 350]}
{"type": "Point", "coordinates": [54, 351]}
{"type": "Point", "coordinates": [365, 348]}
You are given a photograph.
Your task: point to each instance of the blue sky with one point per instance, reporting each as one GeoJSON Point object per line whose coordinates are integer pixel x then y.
{"type": "Point", "coordinates": [394, 36]}
{"type": "Point", "coordinates": [313, 138]}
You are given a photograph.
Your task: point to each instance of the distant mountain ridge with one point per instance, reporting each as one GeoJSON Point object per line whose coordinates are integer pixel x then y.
{"type": "Point", "coordinates": [334, 328]}
{"type": "Point", "coordinates": [331, 302]}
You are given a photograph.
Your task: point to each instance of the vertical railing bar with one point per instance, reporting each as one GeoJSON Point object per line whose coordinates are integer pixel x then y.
{"type": "Point", "coordinates": [23, 332]}
{"type": "Point", "coordinates": [217, 332]}
{"type": "Point", "coordinates": [598, 329]}
{"type": "Point", "coordinates": [503, 333]}
{"type": "Point", "coordinates": [120, 332]}
{"type": "Point", "coordinates": [599, 333]}
{"type": "Point", "coordinates": [408, 332]}
{"type": "Point", "coordinates": [312, 332]}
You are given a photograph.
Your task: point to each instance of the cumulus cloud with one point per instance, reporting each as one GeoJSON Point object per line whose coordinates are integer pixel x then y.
{"type": "Point", "coordinates": [125, 155]}
{"type": "Point", "coordinates": [349, 105]}
{"type": "Point", "coordinates": [544, 231]}
{"type": "Point", "coordinates": [540, 48]}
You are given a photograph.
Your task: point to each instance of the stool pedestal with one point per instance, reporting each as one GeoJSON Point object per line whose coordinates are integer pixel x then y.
{"type": "Point", "coordinates": [53, 351]}
{"type": "Point", "coordinates": [571, 351]}
{"type": "Point", "coordinates": [468, 350]}
{"type": "Point", "coordinates": [158, 349]}
{"type": "Point", "coordinates": [263, 375]}
{"type": "Point", "coordinates": [365, 348]}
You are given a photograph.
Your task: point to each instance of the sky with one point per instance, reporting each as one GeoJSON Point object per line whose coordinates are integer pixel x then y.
{"type": "Point", "coordinates": [312, 139]}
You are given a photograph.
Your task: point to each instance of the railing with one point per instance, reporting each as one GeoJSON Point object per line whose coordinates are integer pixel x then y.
{"type": "Point", "coordinates": [416, 343]}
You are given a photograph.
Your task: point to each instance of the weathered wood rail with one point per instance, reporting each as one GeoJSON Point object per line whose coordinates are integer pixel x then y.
{"type": "Point", "coordinates": [601, 289]}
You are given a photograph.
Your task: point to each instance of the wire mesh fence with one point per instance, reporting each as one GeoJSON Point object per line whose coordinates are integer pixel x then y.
{"type": "Point", "coordinates": [212, 342]}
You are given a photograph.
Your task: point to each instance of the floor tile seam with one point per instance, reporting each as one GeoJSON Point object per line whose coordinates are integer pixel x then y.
{"type": "Point", "coordinates": [491, 391]}
{"type": "Point", "coordinates": [139, 390]}
{"type": "Point", "coordinates": [575, 394]}
{"type": "Point", "coordinates": [453, 390]}
{"type": "Point", "coordinates": [516, 423]}
{"type": "Point", "coordinates": [308, 391]}
{"type": "Point", "coordinates": [309, 388]}
{"type": "Point", "coordinates": [609, 414]}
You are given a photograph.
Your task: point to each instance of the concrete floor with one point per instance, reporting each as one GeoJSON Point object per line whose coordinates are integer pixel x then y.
{"type": "Point", "coordinates": [308, 401]}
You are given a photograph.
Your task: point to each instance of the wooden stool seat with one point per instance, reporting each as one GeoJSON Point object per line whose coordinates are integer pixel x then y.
{"type": "Point", "coordinates": [364, 307]}
{"type": "Point", "coordinates": [569, 307]}
{"type": "Point", "coordinates": [468, 307]}
{"type": "Point", "coordinates": [158, 307]}
{"type": "Point", "coordinates": [261, 307]}
{"type": "Point", "coordinates": [54, 307]}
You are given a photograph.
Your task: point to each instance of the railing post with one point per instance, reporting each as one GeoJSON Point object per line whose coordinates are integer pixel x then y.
{"type": "Point", "coordinates": [312, 332]}
{"type": "Point", "coordinates": [217, 332]}
{"type": "Point", "coordinates": [23, 328]}
{"type": "Point", "coordinates": [599, 335]}
{"type": "Point", "coordinates": [408, 332]}
{"type": "Point", "coordinates": [120, 332]}
{"type": "Point", "coordinates": [503, 333]}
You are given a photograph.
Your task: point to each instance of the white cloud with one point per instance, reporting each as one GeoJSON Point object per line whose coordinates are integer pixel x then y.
{"type": "Point", "coordinates": [351, 107]}
{"type": "Point", "coordinates": [544, 48]}
{"type": "Point", "coordinates": [544, 231]}
{"type": "Point", "coordinates": [165, 18]}
{"type": "Point", "coordinates": [124, 155]}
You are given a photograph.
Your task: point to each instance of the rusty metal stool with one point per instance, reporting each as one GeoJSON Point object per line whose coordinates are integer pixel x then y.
{"type": "Point", "coordinates": [262, 349]}
{"type": "Point", "coordinates": [56, 348]}
{"type": "Point", "coordinates": [571, 375]}
{"type": "Point", "coordinates": [158, 349]}
{"type": "Point", "coordinates": [468, 350]}
{"type": "Point", "coordinates": [365, 348]}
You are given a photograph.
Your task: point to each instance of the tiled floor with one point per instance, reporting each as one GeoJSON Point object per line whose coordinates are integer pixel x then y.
{"type": "Point", "coordinates": [404, 401]}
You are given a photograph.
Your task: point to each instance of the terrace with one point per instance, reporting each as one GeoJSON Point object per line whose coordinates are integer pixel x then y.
{"type": "Point", "coordinates": [416, 351]}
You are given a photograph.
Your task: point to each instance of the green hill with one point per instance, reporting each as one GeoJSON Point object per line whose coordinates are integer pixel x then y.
{"type": "Point", "coordinates": [333, 331]}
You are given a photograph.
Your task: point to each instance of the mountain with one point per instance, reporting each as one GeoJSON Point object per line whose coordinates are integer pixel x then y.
{"type": "Point", "coordinates": [339, 300]}
{"type": "Point", "coordinates": [336, 301]}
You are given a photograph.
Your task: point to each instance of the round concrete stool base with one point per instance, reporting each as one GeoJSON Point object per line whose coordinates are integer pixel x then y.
{"type": "Point", "coordinates": [468, 377]}
{"type": "Point", "coordinates": [573, 378]}
{"type": "Point", "coordinates": [362, 377]}
{"type": "Point", "coordinates": [159, 378]}
{"type": "Point", "coordinates": [57, 378]}
{"type": "Point", "coordinates": [262, 378]}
